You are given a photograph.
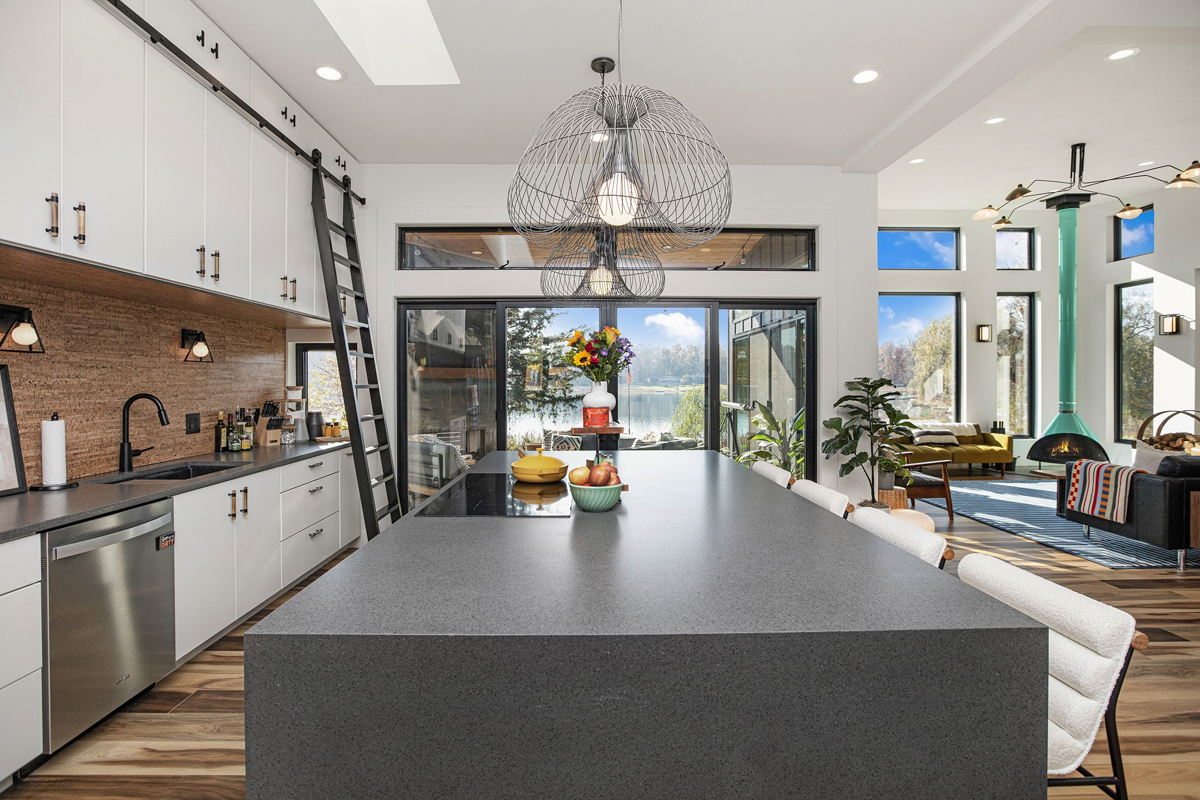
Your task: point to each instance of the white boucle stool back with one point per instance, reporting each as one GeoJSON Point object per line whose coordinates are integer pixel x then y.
{"type": "Point", "coordinates": [1089, 642]}
{"type": "Point", "coordinates": [929, 547]}
{"type": "Point", "coordinates": [830, 499]}
{"type": "Point", "coordinates": [772, 472]}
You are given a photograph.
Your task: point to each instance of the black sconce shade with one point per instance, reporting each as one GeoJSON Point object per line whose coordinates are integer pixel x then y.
{"type": "Point", "coordinates": [983, 333]}
{"type": "Point", "coordinates": [18, 334]}
{"type": "Point", "coordinates": [1169, 324]}
{"type": "Point", "coordinates": [196, 346]}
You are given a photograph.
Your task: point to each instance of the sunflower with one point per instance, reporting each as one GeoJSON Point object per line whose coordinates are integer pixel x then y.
{"type": "Point", "coordinates": [581, 359]}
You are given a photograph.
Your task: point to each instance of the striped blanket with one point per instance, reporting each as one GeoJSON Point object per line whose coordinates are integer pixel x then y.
{"type": "Point", "coordinates": [1100, 489]}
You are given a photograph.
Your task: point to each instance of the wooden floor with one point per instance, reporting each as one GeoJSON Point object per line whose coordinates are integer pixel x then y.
{"type": "Point", "coordinates": [184, 739]}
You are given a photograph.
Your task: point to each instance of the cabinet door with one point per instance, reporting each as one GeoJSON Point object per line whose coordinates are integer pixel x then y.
{"type": "Point", "coordinates": [333, 158]}
{"type": "Point", "coordinates": [174, 173]}
{"type": "Point", "coordinates": [302, 239]}
{"type": "Point", "coordinates": [30, 124]}
{"type": "Point", "coordinates": [351, 506]}
{"type": "Point", "coordinates": [20, 722]}
{"type": "Point", "coordinates": [259, 575]}
{"type": "Point", "coordinates": [268, 221]}
{"type": "Point", "coordinates": [184, 25]}
{"type": "Point", "coordinates": [227, 62]}
{"type": "Point", "coordinates": [227, 198]}
{"type": "Point", "coordinates": [205, 586]}
{"type": "Point", "coordinates": [272, 102]}
{"type": "Point", "coordinates": [103, 146]}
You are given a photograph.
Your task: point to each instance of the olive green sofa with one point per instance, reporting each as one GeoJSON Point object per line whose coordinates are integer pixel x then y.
{"type": "Point", "coordinates": [987, 449]}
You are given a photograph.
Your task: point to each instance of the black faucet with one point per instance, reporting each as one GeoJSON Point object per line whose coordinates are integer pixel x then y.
{"type": "Point", "coordinates": [127, 452]}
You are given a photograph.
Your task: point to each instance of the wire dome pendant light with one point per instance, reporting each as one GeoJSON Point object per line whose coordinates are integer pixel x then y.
{"type": "Point", "coordinates": [618, 264]}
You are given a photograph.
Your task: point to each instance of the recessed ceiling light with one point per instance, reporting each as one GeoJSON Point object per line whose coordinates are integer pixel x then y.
{"type": "Point", "coordinates": [1145, 163]}
{"type": "Point", "coordinates": [917, 161]}
{"type": "Point", "coordinates": [866, 76]}
{"type": "Point", "coordinates": [330, 73]}
{"type": "Point", "coordinates": [993, 120]}
{"type": "Point", "coordinates": [476, 252]}
{"type": "Point", "coordinates": [1126, 53]}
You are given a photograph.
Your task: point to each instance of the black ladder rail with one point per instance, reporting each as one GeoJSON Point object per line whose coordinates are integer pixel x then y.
{"type": "Point", "coordinates": [349, 359]}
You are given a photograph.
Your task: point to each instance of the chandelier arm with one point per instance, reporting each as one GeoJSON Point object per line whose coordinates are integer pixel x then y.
{"type": "Point", "coordinates": [1126, 177]}
{"type": "Point", "coordinates": [1032, 199]}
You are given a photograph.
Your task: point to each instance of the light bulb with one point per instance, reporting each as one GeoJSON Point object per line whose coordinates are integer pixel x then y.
{"type": "Point", "coordinates": [1129, 212]}
{"type": "Point", "coordinates": [618, 200]}
{"type": "Point", "coordinates": [1003, 222]}
{"type": "Point", "coordinates": [987, 212]}
{"type": "Point", "coordinates": [24, 334]}
{"type": "Point", "coordinates": [200, 349]}
{"type": "Point", "coordinates": [601, 280]}
{"type": "Point", "coordinates": [1181, 182]}
{"type": "Point", "coordinates": [1191, 172]}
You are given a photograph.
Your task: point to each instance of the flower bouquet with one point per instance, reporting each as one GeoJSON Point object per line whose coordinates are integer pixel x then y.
{"type": "Point", "coordinates": [600, 355]}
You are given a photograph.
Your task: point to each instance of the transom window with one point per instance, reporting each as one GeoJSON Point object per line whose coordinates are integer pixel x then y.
{"type": "Point", "coordinates": [1014, 248]}
{"type": "Point", "coordinates": [1134, 237]}
{"type": "Point", "coordinates": [918, 248]}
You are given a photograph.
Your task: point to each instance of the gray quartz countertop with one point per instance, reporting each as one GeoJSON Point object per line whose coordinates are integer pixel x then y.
{"type": "Point", "coordinates": [699, 545]}
{"type": "Point", "coordinates": [30, 512]}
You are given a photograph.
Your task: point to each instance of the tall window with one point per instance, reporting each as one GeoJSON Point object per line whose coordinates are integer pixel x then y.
{"type": "Point", "coordinates": [317, 372]}
{"type": "Point", "coordinates": [1014, 363]}
{"type": "Point", "coordinates": [918, 351]}
{"type": "Point", "coordinates": [541, 394]}
{"type": "Point", "coordinates": [913, 248]}
{"type": "Point", "coordinates": [1134, 237]}
{"type": "Point", "coordinates": [663, 393]}
{"type": "Point", "coordinates": [1134, 368]}
{"type": "Point", "coordinates": [1014, 248]}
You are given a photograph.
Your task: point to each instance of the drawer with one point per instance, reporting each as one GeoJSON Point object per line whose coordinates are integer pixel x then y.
{"type": "Point", "coordinates": [292, 475]}
{"type": "Point", "coordinates": [21, 632]}
{"type": "Point", "coordinates": [20, 722]}
{"type": "Point", "coordinates": [309, 503]}
{"type": "Point", "coordinates": [309, 547]}
{"type": "Point", "coordinates": [20, 563]}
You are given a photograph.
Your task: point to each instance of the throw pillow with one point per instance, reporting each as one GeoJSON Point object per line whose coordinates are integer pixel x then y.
{"type": "Point", "coordinates": [934, 437]}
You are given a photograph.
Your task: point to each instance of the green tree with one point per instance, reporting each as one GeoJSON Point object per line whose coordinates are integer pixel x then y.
{"type": "Point", "coordinates": [532, 350]}
{"type": "Point", "coordinates": [933, 351]}
{"type": "Point", "coordinates": [687, 422]}
{"type": "Point", "coordinates": [1137, 359]}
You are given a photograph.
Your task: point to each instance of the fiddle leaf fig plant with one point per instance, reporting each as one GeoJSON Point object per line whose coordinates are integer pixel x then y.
{"type": "Point", "coordinates": [781, 441]}
{"type": "Point", "coordinates": [865, 431]}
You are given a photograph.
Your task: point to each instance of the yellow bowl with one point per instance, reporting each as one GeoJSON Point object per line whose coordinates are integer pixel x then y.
{"type": "Point", "coordinates": [539, 469]}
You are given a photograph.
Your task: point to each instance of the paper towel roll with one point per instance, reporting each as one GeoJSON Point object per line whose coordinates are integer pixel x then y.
{"type": "Point", "coordinates": [54, 451]}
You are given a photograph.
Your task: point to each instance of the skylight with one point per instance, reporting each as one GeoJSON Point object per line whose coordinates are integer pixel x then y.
{"type": "Point", "coordinates": [396, 42]}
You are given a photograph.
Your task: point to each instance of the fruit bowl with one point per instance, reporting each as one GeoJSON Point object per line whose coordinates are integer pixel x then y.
{"type": "Point", "coordinates": [596, 498]}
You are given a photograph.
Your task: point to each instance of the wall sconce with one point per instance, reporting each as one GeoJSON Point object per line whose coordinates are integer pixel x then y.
{"type": "Point", "coordinates": [1168, 324]}
{"type": "Point", "coordinates": [196, 346]}
{"type": "Point", "coordinates": [983, 333]}
{"type": "Point", "coordinates": [18, 334]}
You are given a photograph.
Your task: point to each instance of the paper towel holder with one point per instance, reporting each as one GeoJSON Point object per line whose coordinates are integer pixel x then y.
{"type": "Point", "coordinates": [41, 487]}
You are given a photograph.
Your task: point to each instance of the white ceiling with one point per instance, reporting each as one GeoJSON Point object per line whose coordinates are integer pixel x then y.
{"type": "Point", "coordinates": [770, 78]}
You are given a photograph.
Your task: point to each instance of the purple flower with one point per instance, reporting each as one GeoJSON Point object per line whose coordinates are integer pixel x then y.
{"type": "Point", "coordinates": [603, 352]}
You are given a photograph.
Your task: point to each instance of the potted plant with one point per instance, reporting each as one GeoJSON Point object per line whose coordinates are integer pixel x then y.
{"type": "Point", "coordinates": [782, 442]}
{"type": "Point", "coordinates": [871, 421]}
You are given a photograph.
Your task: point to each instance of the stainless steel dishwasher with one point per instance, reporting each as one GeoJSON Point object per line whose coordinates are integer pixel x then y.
{"type": "Point", "coordinates": [110, 614]}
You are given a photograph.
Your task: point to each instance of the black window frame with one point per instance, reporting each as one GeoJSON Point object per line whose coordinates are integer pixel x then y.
{"type": "Point", "coordinates": [1031, 400]}
{"type": "Point", "coordinates": [1118, 324]}
{"type": "Point", "coordinates": [1118, 255]}
{"type": "Point", "coordinates": [923, 229]}
{"type": "Point", "coordinates": [1032, 249]}
{"type": "Point", "coordinates": [405, 229]}
{"type": "Point", "coordinates": [302, 351]}
{"type": "Point", "coordinates": [958, 338]}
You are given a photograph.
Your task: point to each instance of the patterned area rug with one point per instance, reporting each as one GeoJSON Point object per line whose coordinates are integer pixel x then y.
{"type": "Point", "coordinates": [1026, 508]}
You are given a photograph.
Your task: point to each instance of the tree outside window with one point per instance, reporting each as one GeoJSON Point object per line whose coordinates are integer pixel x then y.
{"type": "Point", "coordinates": [1134, 357]}
{"type": "Point", "coordinates": [918, 351]}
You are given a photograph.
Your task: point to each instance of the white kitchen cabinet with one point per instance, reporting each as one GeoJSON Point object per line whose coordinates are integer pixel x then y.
{"type": "Point", "coordinates": [194, 33]}
{"type": "Point", "coordinates": [311, 502]}
{"type": "Point", "coordinates": [301, 472]}
{"type": "Point", "coordinates": [268, 221]}
{"type": "Point", "coordinates": [350, 506]}
{"type": "Point", "coordinates": [227, 198]}
{"type": "Point", "coordinates": [21, 658]}
{"type": "Point", "coordinates": [335, 159]}
{"type": "Point", "coordinates": [20, 722]}
{"type": "Point", "coordinates": [205, 558]}
{"type": "Point", "coordinates": [21, 623]}
{"type": "Point", "coordinates": [103, 144]}
{"type": "Point", "coordinates": [227, 62]}
{"type": "Point", "coordinates": [259, 575]}
{"type": "Point", "coordinates": [30, 123]}
{"type": "Point", "coordinates": [268, 99]}
{"type": "Point", "coordinates": [174, 173]}
{"type": "Point", "coordinates": [305, 550]}
{"type": "Point", "coordinates": [302, 239]}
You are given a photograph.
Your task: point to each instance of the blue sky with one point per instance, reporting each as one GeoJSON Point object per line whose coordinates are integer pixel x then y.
{"type": "Point", "coordinates": [901, 317]}
{"type": "Point", "coordinates": [916, 249]}
{"type": "Point", "coordinates": [662, 327]}
{"type": "Point", "coordinates": [1137, 235]}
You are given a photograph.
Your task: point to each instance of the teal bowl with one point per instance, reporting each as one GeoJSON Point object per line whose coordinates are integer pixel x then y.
{"type": "Point", "coordinates": [596, 498]}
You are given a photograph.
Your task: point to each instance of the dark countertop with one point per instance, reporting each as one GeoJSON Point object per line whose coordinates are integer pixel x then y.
{"type": "Point", "coordinates": [700, 545]}
{"type": "Point", "coordinates": [30, 512]}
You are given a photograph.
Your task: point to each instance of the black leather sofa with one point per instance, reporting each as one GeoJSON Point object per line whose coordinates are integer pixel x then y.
{"type": "Point", "coordinates": [1159, 511]}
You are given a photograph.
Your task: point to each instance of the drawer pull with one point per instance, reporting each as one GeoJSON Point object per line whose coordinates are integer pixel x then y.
{"type": "Point", "coordinates": [314, 466]}
{"type": "Point", "coordinates": [203, 255]}
{"type": "Point", "coordinates": [81, 237]}
{"type": "Point", "coordinates": [53, 201]}
{"type": "Point", "coordinates": [314, 491]}
{"type": "Point", "coordinates": [293, 290]}
{"type": "Point", "coordinates": [314, 533]}
{"type": "Point", "coordinates": [216, 265]}
{"type": "Point", "coordinates": [233, 505]}
{"type": "Point", "coordinates": [245, 499]}
{"type": "Point", "coordinates": [284, 279]}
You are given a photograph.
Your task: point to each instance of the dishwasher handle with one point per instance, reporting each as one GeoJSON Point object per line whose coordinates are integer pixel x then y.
{"type": "Point", "coordinates": [88, 545]}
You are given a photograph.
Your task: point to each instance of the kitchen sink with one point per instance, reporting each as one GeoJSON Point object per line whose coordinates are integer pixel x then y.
{"type": "Point", "coordinates": [179, 472]}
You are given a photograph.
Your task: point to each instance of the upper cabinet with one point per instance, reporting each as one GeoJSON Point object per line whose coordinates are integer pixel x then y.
{"type": "Point", "coordinates": [282, 111]}
{"type": "Point", "coordinates": [30, 124]}
{"type": "Point", "coordinates": [196, 35]}
{"type": "Point", "coordinates": [103, 148]}
{"type": "Point", "coordinates": [227, 197]}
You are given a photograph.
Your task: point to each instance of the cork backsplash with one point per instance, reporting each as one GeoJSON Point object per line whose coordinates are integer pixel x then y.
{"type": "Point", "coordinates": [101, 350]}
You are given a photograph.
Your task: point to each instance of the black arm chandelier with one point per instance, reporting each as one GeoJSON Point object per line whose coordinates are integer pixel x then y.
{"type": "Point", "coordinates": [617, 174]}
{"type": "Point", "coordinates": [1077, 190]}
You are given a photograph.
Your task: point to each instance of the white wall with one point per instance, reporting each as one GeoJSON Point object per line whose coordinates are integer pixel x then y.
{"type": "Point", "coordinates": [841, 206]}
{"type": "Point", "coordinates": [978, 283]}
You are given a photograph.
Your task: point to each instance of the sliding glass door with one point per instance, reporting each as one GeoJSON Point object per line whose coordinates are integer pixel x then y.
{"type": "Point", "coordinates": [662, 398]}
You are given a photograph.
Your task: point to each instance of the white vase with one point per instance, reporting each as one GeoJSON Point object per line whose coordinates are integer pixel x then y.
{"type": "Point", "coordinates": [595, 400]}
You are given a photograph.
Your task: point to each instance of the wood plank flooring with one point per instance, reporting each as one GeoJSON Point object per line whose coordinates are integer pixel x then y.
{"type": "Point", "coordinates": [184, 739]}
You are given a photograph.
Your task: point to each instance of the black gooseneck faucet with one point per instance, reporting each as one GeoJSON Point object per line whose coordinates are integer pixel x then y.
{"type": "Point", "coordinates": [127, 452]}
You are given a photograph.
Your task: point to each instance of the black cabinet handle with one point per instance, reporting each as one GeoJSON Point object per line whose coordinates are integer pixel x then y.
{"type": "Point", "coordinates": [284, 112]}
{"type": "Point", "coordinates": [245, 499]}
{"type": "Point", "coordinates": [216, 265]}
{"type": "Point", "coordinates": [233, 505]}
{"type": "Point", "coordinates": [53, 201]}
{"type": "Point", "coordinates": [314, 533]}
{"type": "Point", "coordinates": [293, 290]}
{"type": "Point", "coordinates": [215, 50]}
{"type": "Point", "coordinates": [201, 251]}
{"type": "Point", "coordinates": [200, 38]}
{"type": "Point", "coordinates": [314, 466]}
{"type": "Point", "coordinates": [314, 491]}
{"type": "Point", "coordinates": [284, 279]}
{"type": "Point", "coordinates": [81, 209]}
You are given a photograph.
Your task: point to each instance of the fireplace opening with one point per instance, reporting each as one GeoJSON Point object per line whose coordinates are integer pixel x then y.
{"type": "Point", "coordinates": [1061, 448]}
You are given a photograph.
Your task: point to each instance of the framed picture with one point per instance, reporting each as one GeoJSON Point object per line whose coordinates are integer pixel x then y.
{"type": "Point", "coordinates": [12, 468]}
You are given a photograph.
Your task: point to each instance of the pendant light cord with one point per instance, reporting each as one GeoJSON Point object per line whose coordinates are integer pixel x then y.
{"type": "Point", "coordinates": [620, 26]}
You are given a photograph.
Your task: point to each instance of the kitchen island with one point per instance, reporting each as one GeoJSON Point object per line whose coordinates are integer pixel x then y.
{"type": "Point", "coordinates": [714, 635]}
